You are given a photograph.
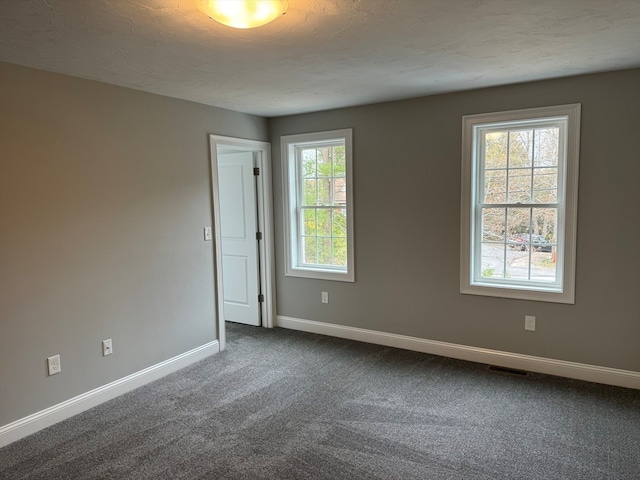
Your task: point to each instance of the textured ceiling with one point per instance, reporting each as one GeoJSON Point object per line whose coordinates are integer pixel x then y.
{"type": "Point", "coordinates": [323, 53]}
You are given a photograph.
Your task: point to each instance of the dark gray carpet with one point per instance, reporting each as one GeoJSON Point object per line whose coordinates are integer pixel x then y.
{"type": "Point", "coordinates": [280, 404]}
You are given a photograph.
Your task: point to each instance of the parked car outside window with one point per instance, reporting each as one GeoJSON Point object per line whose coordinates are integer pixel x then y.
{"type": "Point", "coordinates": [538, 242]}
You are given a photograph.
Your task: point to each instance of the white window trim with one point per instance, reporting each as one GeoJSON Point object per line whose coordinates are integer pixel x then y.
{"type": "Point", "coordinates": [567, 219]}
{"type": "Point", "coordinates": [288, 145]}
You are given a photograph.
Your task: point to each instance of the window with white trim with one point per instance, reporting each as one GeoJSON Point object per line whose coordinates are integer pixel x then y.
{"type": "Point", "coordinates": [317, 169]}
{"type": "Point", "coordinates": [519, 203]}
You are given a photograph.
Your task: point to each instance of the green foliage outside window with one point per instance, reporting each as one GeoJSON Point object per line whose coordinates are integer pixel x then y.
{"type": "Point", "coordinates": [323, 205]}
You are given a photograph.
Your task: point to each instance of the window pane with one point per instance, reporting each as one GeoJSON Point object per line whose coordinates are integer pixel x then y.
{"type": "Point", "coordinates": [324, 191]}
{"type": "Point", "coordinates": [324, 222]}
{"type": "Point", "coordinates": [492, 265]}
{"type": "Point", "coordinates": [546, 147]}
{"type": "Point", "coordinates": [324, 250]}
{"type": "Point", "coordinates": [543, 244]}
{"type": "Point", "coordinates": [309, 163]}
{"type": "Point", "coordinates": [310, 250]}
{"type": "Point", "coordinates": [339, 162]}
{"type": "Point", "coordinates": [518, 222]}
{"type": "Point", "coordinates": [325, 167]}
{"type": "Point", "coordinates": [309, 221]}
{"type": "Point", "coordinates": [545, 185]}
{"type": "Point", "coordinates": [340, 191]}
{"type": "Point", "coordinates": [544, 226]}
{"type": "Point", "coordinates": [532, 249]}
{"type": "Point", "coordinates": [520, 148]}
{"type": "Point", "coordinates": [339, 226]}
{"type": "Point", "coordinates": [493, 224]}
{"type": "Point", "coordinates": [517, 267]}
{"type": "Point", "coordinates": [519, 186]}
{"type": "Point", "coordinates": [309, 192]}
{"type": "Point", "coordinates": [495, 186]}
{"type": "Point", "coordinates": [543, 268]}
{"type": "Point", "coordinates": [517, 259]}
{"type": "Point", "coordinates": [340, 252]}
{"type": "Point", "coordinates": [495, 150]}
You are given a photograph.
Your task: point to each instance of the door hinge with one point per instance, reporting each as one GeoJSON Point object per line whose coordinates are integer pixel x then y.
{"type": "Point", "coordinates": [260, 298]}
{"type": "Point", "coordinates": [256, 171]}
{"type": "Point", "coordinates": [258, 235]}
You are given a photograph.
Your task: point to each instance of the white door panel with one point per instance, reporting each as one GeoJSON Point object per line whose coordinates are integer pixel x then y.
{"type": "Point", "coordinates": [236, 272]}
{"type": "Point", "coordinates": [238, 222]}
{"type": "Point", "coordinates": [232, 200]}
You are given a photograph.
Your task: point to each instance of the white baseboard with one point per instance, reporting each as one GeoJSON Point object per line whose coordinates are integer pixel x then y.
{"type": "Point", "coordinates": [52, 415]}
{"type": "Point", "coordinates": [561, 368]}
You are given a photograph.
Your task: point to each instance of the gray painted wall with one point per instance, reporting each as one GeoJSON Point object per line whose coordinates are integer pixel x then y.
{"type": "Point", "coordinates": [407, 158]}
{"type": "Point", "coordinates": [105, 190]}
{"type": "Point", "coordinates": [104, 193]}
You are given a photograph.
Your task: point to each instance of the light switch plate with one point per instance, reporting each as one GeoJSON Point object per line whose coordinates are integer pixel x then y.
{"type": "Point", "coordinates": [107, 347]}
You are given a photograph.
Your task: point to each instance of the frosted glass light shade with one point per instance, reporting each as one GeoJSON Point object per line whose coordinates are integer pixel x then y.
{"type": "Point", "coordinates": [243, 13]}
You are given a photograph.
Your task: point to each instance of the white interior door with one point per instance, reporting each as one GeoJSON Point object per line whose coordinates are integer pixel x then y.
{"type": "Point", "coordinates": [238, 220]}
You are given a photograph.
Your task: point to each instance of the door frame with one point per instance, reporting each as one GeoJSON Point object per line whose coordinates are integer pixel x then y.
{"type": "Point", "coordinates": [265, 223]}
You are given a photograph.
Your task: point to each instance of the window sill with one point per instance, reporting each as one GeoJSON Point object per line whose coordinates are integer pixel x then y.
{"type": "Point", "coordinates": [519, 293]}
{"type": "Point", "coordinates": [321, 274]}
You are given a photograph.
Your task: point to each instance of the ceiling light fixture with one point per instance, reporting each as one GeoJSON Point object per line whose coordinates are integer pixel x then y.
{"type": "Point", "coordinates": [242, 13]}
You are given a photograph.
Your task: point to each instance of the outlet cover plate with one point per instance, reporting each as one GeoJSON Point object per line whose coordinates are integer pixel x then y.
{"type": "Point", "coordinates": [530, 323]}
{"type": "Point", "coordinates": [54, 365]}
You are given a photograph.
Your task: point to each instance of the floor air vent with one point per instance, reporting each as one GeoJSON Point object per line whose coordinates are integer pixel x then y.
{"type": "Point", "coordinates": [510, 371]}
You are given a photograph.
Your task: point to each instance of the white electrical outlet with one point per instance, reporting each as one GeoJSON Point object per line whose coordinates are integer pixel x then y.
{"type": "Point", "coordinates": [107, 348]}
{"type": "Point", "coordinates": [530, 323]}
{"type": "Point", "coordinates": [207, 234]}
{"type": "Point", "coordinates": [325, 297]}
{"type": "Point", "coordinates": [54, 365]}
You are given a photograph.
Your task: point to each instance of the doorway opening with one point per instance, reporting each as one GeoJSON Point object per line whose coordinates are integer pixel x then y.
{"type": "Point", "coordinates": [243, 232]}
